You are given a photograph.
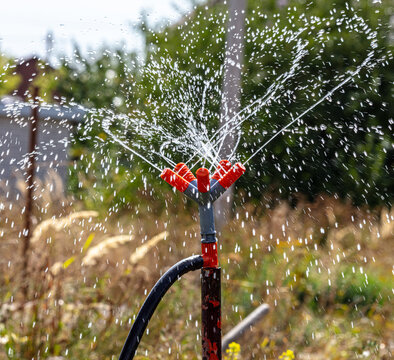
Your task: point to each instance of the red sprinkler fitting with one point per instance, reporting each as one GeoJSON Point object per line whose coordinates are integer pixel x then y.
{"type": "Point", "coordinates": [232, 175]}
{"type": "Point", "coordinates": [223, 167]}
{"type": "Point", "coordinates": [182, 170]}
{"type": "Point", "coordinates": [209, 253]}
{"type": "Point", "coordinates": [203, 182]}
{"type": "Point", "coordinates": [174, 180]}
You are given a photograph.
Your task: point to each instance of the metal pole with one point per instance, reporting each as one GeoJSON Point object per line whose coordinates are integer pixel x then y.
{"type": "Point", "coordinates": [29, 194]}
{"type": "Point", "coordinates": [231, 98]}
{"type": "Point", "coordinates": [245, 325]}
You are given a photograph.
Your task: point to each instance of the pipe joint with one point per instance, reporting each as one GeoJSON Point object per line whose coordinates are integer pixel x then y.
{"type": "Point", "coordinates": [208, 238]}
{"type": "Point", "coordinates": [209, 253]}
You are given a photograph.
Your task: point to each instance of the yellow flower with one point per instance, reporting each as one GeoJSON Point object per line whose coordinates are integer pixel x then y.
{"type": "Point", "coordinates": [287, 355]}
{"type": "Point", "coordinates": [233, 351]}
{"type": "Point", "coordinates": [265, 342]}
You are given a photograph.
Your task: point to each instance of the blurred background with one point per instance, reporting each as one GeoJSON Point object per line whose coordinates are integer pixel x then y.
{"type": "Point", "coordinates": [86, 229]}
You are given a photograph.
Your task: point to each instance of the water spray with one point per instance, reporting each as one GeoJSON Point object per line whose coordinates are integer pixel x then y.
{"type": "Point", "coordinates": [204, 190]}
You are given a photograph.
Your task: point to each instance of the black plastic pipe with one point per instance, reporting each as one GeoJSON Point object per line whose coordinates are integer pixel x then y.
{"type": "Point", "coordinates": [161, 287]}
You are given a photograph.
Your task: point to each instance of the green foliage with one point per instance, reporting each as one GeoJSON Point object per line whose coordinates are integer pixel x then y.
{"type": "Point", "coordinates": [9, 81]}
{"type": "Point", "coordinates": [98, 81]}
{"type": "Point", "coordinates": [345, 156]}
{"type": "Point", "coordinates": [47, 78]}
{"type": "Point", "coordinates": [349, 152]}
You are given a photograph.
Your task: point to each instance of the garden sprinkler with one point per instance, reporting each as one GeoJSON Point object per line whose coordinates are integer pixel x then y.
{"type": "Point", "coordinates": [203, 190]}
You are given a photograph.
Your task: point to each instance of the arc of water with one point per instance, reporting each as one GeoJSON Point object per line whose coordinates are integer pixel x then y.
{"type": "Point", "coordinates": [280, 80]}
{"type": "Point", "coordinates": [263, 100]}
{"type": "Point", "coordinates": [215, 160]}
{"type": "Point", "coordinates": [131, 150]}
{"type": "Point", "coordinates": [340, 85]}
{"type": "Point", "coordinates": [349, 78]}
{"type": "Point", "coordinates": [267, 97]}
{"type": "Point", "coordinates": [209, 149]}
{"type": "Point", "coordinates": [332, 91]}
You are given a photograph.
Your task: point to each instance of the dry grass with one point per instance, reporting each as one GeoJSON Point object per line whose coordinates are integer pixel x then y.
{"type": "Point", "coordinates": [104, 249]}
{"type": "Point", "coordinates": [324, 268]}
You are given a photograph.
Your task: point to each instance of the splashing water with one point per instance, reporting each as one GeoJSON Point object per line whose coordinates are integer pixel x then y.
{"type": "Point", "coordinates": [178, 118]}
{"type": "Point", "coordinates": [168, 110]}
{"type": "Point", "coordinates": [181, 122]}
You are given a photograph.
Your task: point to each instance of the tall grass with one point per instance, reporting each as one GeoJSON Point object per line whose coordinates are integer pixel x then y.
{"type": "Point", "coordinates": [324, 268]}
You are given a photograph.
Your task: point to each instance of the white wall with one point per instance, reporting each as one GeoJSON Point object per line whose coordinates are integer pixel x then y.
{"type": "Point", "coordinates": [52, 150]}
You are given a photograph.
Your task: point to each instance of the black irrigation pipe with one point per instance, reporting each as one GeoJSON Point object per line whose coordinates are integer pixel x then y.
{"type": "Point", "coordinates": [161, 287]}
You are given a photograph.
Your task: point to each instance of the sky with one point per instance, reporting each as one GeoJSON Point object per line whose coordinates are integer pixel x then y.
{"type": "Point", "coordinates": [92, 24]}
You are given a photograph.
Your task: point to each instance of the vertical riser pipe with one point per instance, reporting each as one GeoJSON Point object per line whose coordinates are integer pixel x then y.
{"type": "Point", "coordinates": [211, 314]}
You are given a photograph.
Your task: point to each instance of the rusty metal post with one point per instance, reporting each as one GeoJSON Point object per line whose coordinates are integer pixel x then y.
{"type": "Point", "coordinates": [211, 326]}
{"type": "Point", "coordinates": [30, 172]}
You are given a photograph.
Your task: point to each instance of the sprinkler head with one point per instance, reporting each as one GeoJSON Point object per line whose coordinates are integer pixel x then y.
{"type": "Point", "coordinates": [184, 180]}
{"type": "Point", "coordinates": [205, 190]}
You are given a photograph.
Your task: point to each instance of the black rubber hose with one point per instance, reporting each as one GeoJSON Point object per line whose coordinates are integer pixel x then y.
{"type": "Point", "coordinates": [153, 299]}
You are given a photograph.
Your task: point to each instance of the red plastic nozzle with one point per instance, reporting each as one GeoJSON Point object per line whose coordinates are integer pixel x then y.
{"type": "Point", "coordinates": [232, 175]}
{"type": "Point", "coordinates": [223, 167]}
{"type": "Point", "coordinates": [182, 170]}
{"type": "Point", "coordinates": [174, 180]}
{"type": "Point", "coordinates": [203, 180]}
